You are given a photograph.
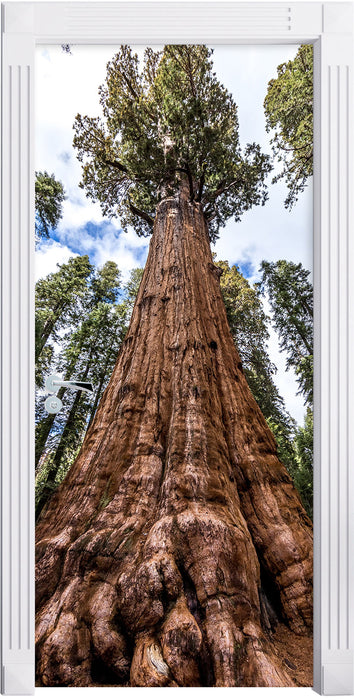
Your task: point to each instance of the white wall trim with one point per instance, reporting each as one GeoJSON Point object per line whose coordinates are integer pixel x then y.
{"type": "Point", "coordinates": [330, 27]}
{"type": "Point", "coordinates": [17, 367]}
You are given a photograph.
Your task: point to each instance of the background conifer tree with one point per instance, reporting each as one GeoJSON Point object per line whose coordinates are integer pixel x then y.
{"type": "Point", "coordinates": [49, 198]}
{"type": "Point", "coordinates": [289, 117]}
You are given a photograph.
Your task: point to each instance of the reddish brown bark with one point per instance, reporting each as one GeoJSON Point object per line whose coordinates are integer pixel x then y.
{"type": "Point", "coordinates": [177, 531]}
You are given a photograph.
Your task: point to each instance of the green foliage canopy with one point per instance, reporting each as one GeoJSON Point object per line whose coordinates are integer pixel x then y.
{"type": "Point", "coordinates": [67, 304]}
{"type": "Point", "coordinates": [132, 287]}
{"type": "Point", "coordinates": [165, 121]}
{"type": "Point", "coordinates": [289, 112]}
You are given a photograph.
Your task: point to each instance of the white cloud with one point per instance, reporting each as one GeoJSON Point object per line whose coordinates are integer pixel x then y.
{"type": "Point", "coordinates": [270, 232]}
{"type": "Point", "coordinates": [127, 250]}
{"type": "Point", "coordinates": [48, 255]}
{"type": "Point", "coordinates": [103, 241]}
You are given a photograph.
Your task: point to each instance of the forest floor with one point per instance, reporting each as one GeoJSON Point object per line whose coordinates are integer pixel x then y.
{"type": "Point", "coordinates": [296, 654]}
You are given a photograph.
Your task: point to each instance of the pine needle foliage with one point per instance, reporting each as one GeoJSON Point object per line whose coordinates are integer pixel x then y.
{"type": "Point", "coordinates": [289, 117]}
{"type": "Point", "coordinates": [164, 121]}
{"type": "Point", "coordinates": [49, 198]}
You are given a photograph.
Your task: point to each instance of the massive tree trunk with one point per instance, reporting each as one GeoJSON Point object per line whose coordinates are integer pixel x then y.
{"type": "Point", "coordinates": [177, 540]}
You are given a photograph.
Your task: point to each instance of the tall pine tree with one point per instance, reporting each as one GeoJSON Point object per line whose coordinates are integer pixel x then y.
{"type": "Point", "coordinates": [56, 298]}
{"type": "Point", "coordinates": [290, 295]}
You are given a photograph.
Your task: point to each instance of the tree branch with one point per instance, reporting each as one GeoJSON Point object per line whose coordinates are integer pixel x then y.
{"type": "Point", "coordinates": [119, 166]}
{"type": "Point", "coordinates": [296, 148]}
{"type": "Point", "coordinates": [142, 214]}
{"type": "Point", "coordinates": [210, 213]}
{"type": "Point", "coordinates": [115, 164]}
{"type": "Point", "coordinates": [129, 84]}
{"type": "Point", "coordinates": [187, 170]}
{"type": "Point", "coordinates": [222, 187]}
{"type": "Point", "coordinates": [135, 94]}
{"type": "Point", "coordinates": [200, 188]}
{"type": "Point", "coordinates": [210, 218]}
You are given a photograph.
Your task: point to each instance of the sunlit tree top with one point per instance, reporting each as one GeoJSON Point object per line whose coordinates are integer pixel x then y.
{"type": "Point", "coordinates": [163, 121]}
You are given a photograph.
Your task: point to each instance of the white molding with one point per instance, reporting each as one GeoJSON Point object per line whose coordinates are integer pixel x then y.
{"type": "Point", "coordinates": [334, 309]}
{"type": "Point", "coordinates": [219, 22]}
{"type": "Point", "coordinates": [330, 26]}
{"type": "Point", "coordinates": [337, 17]}
{"type": "Point", "coordinates": [18, 679]}
{"type": "Point", "coordinates": [17, 370]}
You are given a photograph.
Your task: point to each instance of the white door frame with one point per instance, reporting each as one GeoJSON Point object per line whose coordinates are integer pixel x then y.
{"type": "Point", "coordinates": [330, 27]}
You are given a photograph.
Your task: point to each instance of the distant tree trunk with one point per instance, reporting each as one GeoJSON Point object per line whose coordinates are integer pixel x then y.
{"type": "Point", "coordinates": [43, 332]}
{"type": "Point", "coordinates": [152, 552]}
{"type": "Point", "coordinates": [43, 429]}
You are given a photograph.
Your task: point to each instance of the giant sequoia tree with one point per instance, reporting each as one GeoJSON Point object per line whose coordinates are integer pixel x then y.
{"type": "Point", "coordinates": [177, 541]}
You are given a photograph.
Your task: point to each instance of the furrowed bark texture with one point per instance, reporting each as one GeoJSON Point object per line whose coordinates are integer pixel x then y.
{"type": "Point", "coordinates": [177, 540]}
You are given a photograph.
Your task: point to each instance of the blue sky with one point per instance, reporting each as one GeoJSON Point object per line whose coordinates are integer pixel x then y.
{"type": "Point", "coordinates": [67, 84]}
